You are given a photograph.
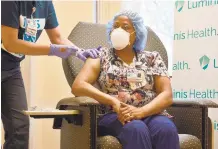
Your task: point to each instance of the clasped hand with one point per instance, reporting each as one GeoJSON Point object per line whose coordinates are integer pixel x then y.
{"type": "Point", "coordinates": [127, 113]}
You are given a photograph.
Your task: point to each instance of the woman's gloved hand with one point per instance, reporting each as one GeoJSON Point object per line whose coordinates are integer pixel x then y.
{"type": "Point", "coordinates": [64, 51]}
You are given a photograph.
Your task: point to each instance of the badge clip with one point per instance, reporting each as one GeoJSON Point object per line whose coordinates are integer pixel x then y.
{"type": "Point", "coordinates": [33, 11]}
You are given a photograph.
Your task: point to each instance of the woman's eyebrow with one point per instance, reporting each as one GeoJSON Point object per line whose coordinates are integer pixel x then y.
{"type": "Point", "coordinates": [126, 23]}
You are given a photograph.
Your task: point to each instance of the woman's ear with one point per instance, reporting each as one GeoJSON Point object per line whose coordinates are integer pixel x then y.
{"type": "Point", "coordinates": [110, 33]}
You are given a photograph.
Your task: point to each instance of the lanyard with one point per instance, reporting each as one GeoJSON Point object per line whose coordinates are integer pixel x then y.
{"type": "Point", "coordinates": [33, 8]}
{"type": "Point", "coordinates": [33, 11]}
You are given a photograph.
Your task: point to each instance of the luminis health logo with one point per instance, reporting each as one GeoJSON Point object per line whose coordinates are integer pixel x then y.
{"type": "Point", "coordinates": [179, 5]}
{"type": "Point", "coordinates": [204, 62]}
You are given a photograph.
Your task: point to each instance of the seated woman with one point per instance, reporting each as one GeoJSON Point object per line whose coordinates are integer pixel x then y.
{"type": "Point", "coordinates": [135, 88]}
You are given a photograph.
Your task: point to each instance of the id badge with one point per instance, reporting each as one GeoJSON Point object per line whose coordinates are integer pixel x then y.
{"type": "Point", "coordinates": [31, 31]}
{"type": "Point", "coordinates": [134, 76]}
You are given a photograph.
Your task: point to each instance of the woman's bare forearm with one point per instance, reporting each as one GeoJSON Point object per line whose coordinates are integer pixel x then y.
{"type": "Point", "coordinates": [158, 104]}
{"type": "Point", "coordinates": [85, 89]}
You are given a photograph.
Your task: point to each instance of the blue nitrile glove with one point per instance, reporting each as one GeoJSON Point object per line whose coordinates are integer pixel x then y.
{"type": "Point", "coordinates": [65, 51]}
{"type": "Point", "coordinates": [84, 54]}
{"type": "Point", "coordinates": [62, 51]}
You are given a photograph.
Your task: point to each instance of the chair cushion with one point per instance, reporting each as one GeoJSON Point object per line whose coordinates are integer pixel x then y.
{"type": "Point", "coordinates": [186, 142]}
{"type": "Point", "coordinates": [108, 142]}
{"type": "Point", "coordinates": [189, 142]}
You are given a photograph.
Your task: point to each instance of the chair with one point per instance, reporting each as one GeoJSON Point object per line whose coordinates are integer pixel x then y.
{"type": "Point", "coordinates": [191, 117]}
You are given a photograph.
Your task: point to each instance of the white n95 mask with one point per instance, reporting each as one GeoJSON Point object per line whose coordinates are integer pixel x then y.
{"type": "Point", "coordinates": [119, 38]}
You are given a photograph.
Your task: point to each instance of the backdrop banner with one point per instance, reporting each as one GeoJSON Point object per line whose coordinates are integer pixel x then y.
{"type": "Point", "coordinates": [195, 54]}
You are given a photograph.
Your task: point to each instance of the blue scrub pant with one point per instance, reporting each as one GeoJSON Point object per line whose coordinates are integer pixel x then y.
{"type": "Point", "coordinates": [154, 132]}
{"type": "Point", "coordinates": [13, 98]}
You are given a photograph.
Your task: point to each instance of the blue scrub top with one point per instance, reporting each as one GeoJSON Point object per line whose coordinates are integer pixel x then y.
{"type": "Point", "coordinates": [16, 14]}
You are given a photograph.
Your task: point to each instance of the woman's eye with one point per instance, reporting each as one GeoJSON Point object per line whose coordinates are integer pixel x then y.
{"type": "Point", "coordinates": [115, 26]}
{"type": "Point", "coordinates": [125, 27]}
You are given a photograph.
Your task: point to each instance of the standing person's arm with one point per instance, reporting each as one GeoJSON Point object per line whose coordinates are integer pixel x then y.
{"type": "Point", "coordinates": [13, 44]}
{"type": "Point", "coordinates": [54, 34]}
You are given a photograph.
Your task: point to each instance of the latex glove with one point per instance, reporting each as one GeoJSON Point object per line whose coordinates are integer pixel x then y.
{"type": "Point", "coordinates": [62, 51]}
{"type": "Point", "coordinates": [84, 54]}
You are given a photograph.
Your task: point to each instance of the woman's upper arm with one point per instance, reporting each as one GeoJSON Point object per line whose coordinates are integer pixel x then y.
{"type": "Point", "coordinates": [90, 71]}
{"type": "Point", "coordinates": [162, 83]}
{"type": "Point", "coordinates": [160, 73]}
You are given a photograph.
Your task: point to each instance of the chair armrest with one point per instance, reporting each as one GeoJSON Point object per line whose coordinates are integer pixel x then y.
{"type": "Point", "coordinates": [87, 121]}
{"type": "Point", "coordinates": [77, 101]}
{"type": "Point", "coordinates": [82, 104]}
{"type": "Point", "coordinates": [195, 103]}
